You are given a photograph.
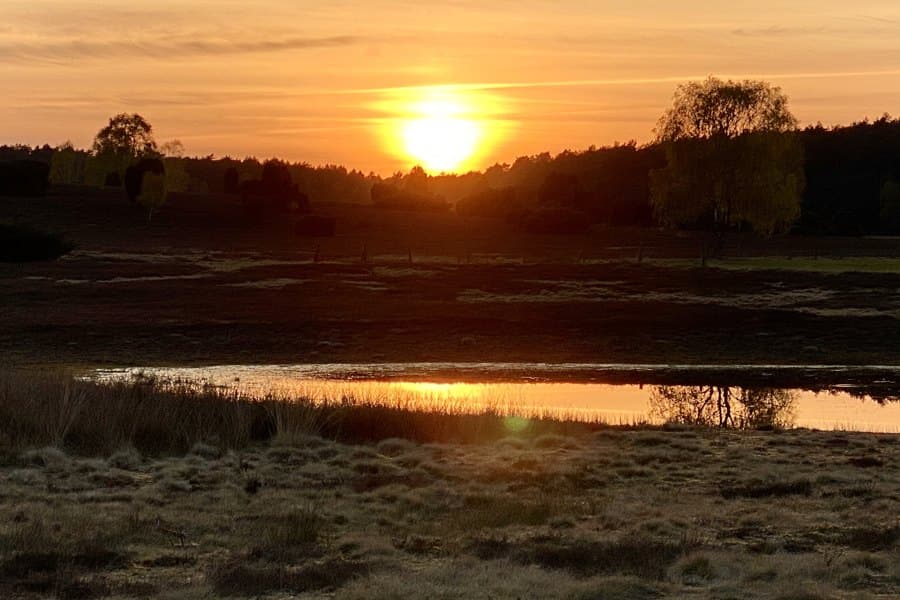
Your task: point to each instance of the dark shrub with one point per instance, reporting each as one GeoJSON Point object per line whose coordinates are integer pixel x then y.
{"type": "Point", "coordinates": [563, 190]}
{"type": "Point", "coordinates": [496, 203]}
{"type": "Point", "coordinates": [28, 178]}
{"type": "Point", "coordinates": [134, 175]}
{"type": "Point", "coordinates": [391, 197]}
{"type": "Point", "coordinates": [560, 221]}
{"type": "Point", "coordinates": [112, 180]}
{"type": "Point", "coordinates": [20, 244]}
{"type": "Point", "coordinates": [315, 226]}
{"type": "Point", "coordinates": [232, 181]}
{"type": "Point", "coordinates": [274, 192]}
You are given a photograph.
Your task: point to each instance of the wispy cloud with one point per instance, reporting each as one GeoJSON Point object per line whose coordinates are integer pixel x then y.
{"type": "Point", "coordinates": [574, 83]}
{"type": "Point", "coordinates": [80, 49]}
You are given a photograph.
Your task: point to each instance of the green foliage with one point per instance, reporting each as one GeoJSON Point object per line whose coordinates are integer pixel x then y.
{"type": "Point", "coordinates": [153, 192]}
{"type": "Point", "coordinates": [177, 178]}
{"type": "Point", "coordinates": [731, 158]}
{"type": "Point", "coordinates": [725, 108]}
{"type": "Point", "coordinates": [98, 167]}
{"type": "Point", "coordinates": [68, 165]}
{"type": "Point", "coordinates": [755, 179]}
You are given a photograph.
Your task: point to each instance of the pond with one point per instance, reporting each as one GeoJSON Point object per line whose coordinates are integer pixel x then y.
{"type": "Point", "coordinates": [815, 397]}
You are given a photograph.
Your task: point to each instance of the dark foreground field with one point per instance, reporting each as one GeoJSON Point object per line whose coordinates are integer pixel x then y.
{"type": "Point", "coordinates": [200, 285]}
{"type": "Point", "coordinates": [93, 505]}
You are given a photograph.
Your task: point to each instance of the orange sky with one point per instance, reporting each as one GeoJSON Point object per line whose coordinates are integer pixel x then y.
{"type": "Point", "coordinates": [323, 81]}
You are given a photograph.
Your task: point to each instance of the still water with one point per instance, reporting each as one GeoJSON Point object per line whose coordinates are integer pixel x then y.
{"type": "Point", "coordinates": [578, 391]}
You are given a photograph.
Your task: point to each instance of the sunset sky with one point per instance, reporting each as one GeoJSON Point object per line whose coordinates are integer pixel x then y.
{"type": "Point", "coordinates": [334, 82]}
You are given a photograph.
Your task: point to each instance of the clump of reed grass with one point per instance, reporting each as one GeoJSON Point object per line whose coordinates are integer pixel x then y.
{"type": "Point", "coordinates": [152, 416]}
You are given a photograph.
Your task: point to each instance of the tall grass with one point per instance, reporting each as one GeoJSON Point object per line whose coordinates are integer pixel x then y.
{"type": "Point", "coordinates": [157, 417]}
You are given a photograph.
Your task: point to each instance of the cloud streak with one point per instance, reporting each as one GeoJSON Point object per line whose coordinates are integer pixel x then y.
{"type": "Point", "coordinates": [71, 51]}
{"type": "Point", "coordinates": [575, 83]}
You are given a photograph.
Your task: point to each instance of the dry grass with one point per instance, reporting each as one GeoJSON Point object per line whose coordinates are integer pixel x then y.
{"type": "Point", "coordinates": [613, 514]}
{"type": "Point", "coordinates": [157, 417]}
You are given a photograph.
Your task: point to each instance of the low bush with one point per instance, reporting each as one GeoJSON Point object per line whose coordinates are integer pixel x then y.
{"type": "Point", "coordinates": [315, 226]}
{"type": "Point", "coordinates": [23, 244]}
{"type": "Point", "coordinates": [28, 178]}
{"type": "Point", "coordinates": [558, 221]}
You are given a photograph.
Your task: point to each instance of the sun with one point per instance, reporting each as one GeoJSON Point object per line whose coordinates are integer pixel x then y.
{"type": "Point", "coordinates": [440, 136]}
{"type": "Point", "coordinates": [444, 129]}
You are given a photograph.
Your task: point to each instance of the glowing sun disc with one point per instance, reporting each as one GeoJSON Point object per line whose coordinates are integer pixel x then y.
{"type": "Point", "coordinates": [439, 142]}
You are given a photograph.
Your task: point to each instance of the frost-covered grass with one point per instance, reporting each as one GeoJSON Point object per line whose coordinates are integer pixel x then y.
{"type": "Point", "coordinates": [566, 513]}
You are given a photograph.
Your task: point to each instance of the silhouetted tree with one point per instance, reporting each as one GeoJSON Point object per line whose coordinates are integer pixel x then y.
{"type": "Point", "coordinates": [732, 158]}
{"type": "Point", "coordinates": [126, 135]}
{"type": "Point", "coordinates": [407, 192]}
{"type": "Point", "coordinates": [416, 182]}
{"type": "Point", "coordinates": [728, 109]}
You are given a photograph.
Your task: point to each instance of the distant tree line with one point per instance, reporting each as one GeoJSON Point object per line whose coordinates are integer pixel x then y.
{"type": "Point", "coordinates": [745, 172]}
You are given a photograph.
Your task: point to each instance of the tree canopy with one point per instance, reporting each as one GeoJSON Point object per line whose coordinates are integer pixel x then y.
{"type": "Point", "coordinates": [126, 135]}
{"type": "Point", "coordinates": [724, 108]}
{"type": "Point", "coordinates": [732, 158]}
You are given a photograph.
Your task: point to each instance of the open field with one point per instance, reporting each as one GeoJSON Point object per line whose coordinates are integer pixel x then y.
{"type": "Point", "coordinates": [200, 286]}
{"type": "Point", "coordinates": [309, 509]}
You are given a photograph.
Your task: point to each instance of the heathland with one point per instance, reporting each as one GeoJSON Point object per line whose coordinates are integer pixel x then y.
{"type": "Point", "coordinates": [199, 285]}
{"type": "Point", "coordinates": [148, 490]}
{"type": "Point", "coordinates": [140, 490]}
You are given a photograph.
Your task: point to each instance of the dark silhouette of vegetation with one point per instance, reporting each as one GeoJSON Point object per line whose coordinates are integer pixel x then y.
{"type": "Point", "coordinates": [731, 159]}
{"type": "Point", "coordinates": [315, 226]}
{"type": "Point", "coordinates": [145, 184]}
{"type": "Point", "coordinates": [727, 157]}
{"type": "Point", "coordinates": [125, 135]}
{"type": "Point", "coordinates": [393, 197]}
{"type": "Point", "coordinates": [716, 406]}
{"type": "Point", "coordinates": [563, 190]}
{"type": "Point", "coordinates": [26, 177]}
{"type": "Point", "coordinates": [134, 175]}
{"type": "Point", "coordinates": [559, 221]}
{"type": "Point", "coordinates": [727, 109]}
{"type": "Point", "coordinates": [890, 205]}
{"type": "Point", "coordinates": [23, 244]}
{"type": "Point", "coordinates": [498, 203]}
{"type": "Point", "coordinates": [274, 192]}
{"type": "Point", "coordinates": [232, 184]}
{"type": "Point", "coordinates": [847, 169]}
{"type": "Point", "coordinates": [112, 179]}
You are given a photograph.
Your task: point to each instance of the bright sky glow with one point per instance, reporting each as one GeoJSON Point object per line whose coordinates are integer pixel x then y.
{"type": "Point", "coordinates": [323, 82]}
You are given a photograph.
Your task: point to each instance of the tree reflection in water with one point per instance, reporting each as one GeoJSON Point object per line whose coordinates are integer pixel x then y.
{"type": "Point", "coordinates": [715, 406]}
